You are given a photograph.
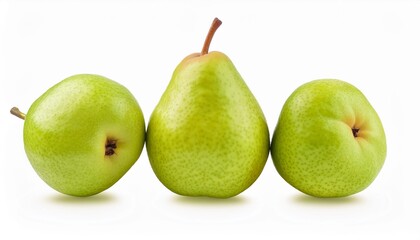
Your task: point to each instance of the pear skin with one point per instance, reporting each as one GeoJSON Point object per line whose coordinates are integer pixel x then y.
{"type": "Point", "coordinates": [329, 141]}
{"type": "Point", "coordinates": [208, 135]}
{"type": "Point", "coordinates": [83, 134]}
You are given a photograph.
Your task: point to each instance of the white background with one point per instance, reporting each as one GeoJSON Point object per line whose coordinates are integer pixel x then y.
{"type": "Point", "coordinates": [276, 46]}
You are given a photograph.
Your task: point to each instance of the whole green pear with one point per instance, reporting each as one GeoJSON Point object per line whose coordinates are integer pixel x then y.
{"type": "Point", "coordinates": [83, 134]}
{"type": "Point", "coordinates": [208, 135]}
{"type": "Point", "coordinates": [329, 140]}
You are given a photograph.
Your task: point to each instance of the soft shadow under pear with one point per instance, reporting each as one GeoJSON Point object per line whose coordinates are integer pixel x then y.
{"type": "Point", "coordinates": [309, 200]}
{"type": "Point", "coordinates": [208, 201]}
{"type": "Point", "coordinates": [101, 198]}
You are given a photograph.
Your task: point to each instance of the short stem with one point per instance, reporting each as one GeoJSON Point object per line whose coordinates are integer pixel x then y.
{"type": "Point", "coordinates": [214, 26]}
{"type": "Point", "coordinates": [15, 111]}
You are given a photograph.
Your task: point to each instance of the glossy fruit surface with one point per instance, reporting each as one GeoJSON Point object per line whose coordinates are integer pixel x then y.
{"type": "Point", "coordinates": [207, 136]}
{"type": "Point", "coordinates": [83, 134]}
{"type": "Point", "coordinates": [329, 140]}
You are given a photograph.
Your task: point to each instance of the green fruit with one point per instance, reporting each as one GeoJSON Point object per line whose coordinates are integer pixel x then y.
{"type": "Point", "coordinates": [329, 141]}
{"type": "Point", "coordinates": [207, 136]}
{"type": "Point", "coordinates": [83, 134]}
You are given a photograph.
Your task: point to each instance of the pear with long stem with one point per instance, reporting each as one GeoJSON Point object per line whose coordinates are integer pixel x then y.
{"type": "Point", "coordinates": [208, 135]}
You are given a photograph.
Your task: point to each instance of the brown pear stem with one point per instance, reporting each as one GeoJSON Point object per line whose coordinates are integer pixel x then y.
{"type": "Point", "coordinates": [214, 26]}
{"type": "Point", "coordinates": [15, 111]}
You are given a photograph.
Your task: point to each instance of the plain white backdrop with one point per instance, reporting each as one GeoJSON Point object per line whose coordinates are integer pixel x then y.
{"type": "Point", "coordinates": [276, 46]}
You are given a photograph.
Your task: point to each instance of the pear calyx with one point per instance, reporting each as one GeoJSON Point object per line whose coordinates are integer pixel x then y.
{"type": "Point", "coordinates": [355, 131]}
{"type": "Point", "coordinates": [110, 147]}
{"type": "Point", "coordinates": [214, 26]}
{"type": "Point", "coordinates": [15, 111]}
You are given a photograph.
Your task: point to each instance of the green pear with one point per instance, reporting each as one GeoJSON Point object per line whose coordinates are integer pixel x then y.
{"type": "Point", "coordinates": [329, 140]}
{"type": "Point", "coordinates": [83, 134]}
{"type": "Point", "coordinates": [208, 135]}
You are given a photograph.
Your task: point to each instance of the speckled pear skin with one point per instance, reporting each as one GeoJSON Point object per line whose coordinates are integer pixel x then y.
{"type": "Point", "coordinates": [207, 136]}
{"type": "Point", "coordinates": [66, 130]}
{"type": "Point", "coordinates": [313, 146]}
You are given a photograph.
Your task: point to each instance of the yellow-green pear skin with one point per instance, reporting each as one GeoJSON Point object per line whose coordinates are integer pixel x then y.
{"type": "Point", "coordinates": [83, 134]}
{"type": "Point", "coordinates": [329, 141]}
{"type": "Point", "coordinates": [208, 135]}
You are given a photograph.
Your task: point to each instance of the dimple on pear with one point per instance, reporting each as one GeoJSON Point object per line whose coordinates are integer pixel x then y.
{"type": "Point", "coordinates": [208, 135]}
{"type": "Point", "coordinates": [83, 134]}
{"type": "Point", "coordinates": [329, 140]}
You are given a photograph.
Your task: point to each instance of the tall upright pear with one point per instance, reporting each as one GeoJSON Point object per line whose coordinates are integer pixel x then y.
{"type": "Point", "coordinates": [208, 135]}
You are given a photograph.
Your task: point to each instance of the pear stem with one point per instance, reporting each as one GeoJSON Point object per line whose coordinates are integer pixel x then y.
{"type": "Point", "coordinates": [15, 111]}
{"type": "Point", "coordinates": [214, 26]}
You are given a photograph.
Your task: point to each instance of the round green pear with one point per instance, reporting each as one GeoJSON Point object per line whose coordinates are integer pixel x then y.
{"type": "Point", "coordinates": [329, 141]}
{"type": "Point", "coordinates": [83, 134]}
{"type": "Point", "coordinates": [207, 136]}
